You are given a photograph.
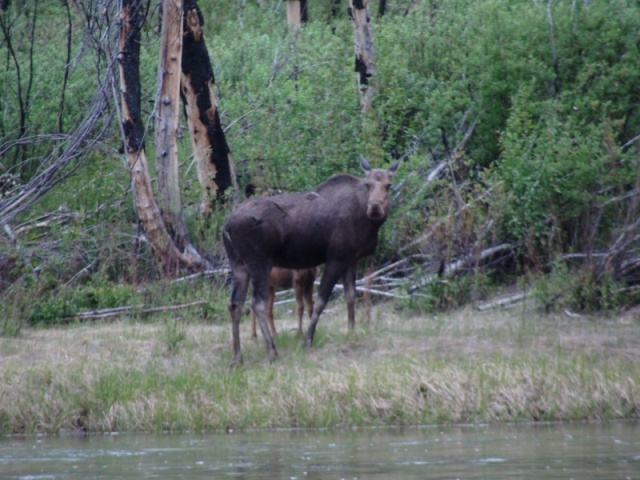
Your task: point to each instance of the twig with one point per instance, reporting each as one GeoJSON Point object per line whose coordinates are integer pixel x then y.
{"type": "Point", "coordinates": [374, 292]}
{"type": "Point", "coordinates": [388, 268]}
{"type": "Point", "coordinates": [206, 273]}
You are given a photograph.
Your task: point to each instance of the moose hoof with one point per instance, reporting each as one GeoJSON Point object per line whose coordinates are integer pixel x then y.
{"type": "Point", "coordinates": [273, 356]}
{"type": "Point", "coordinates": [236, 362]}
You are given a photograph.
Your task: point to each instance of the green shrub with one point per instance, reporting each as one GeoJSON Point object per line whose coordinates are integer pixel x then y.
{"type": "Point", "coordinates": [446, 294]}
{"type": "Point", "coordinates": [577, 289]}
{"type": "Point", "coordinates": [557, 172]}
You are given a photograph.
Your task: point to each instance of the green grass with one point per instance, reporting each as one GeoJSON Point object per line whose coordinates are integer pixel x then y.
{"type": "Point", "coordinates": [400, 368]}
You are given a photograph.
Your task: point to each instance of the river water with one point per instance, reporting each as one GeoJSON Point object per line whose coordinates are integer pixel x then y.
{"type": "Point", "coordinates": [555, 451]}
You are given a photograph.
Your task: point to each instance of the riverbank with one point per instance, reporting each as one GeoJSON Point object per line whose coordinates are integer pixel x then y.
{"type": "Point", "coordinates": [172, 373]}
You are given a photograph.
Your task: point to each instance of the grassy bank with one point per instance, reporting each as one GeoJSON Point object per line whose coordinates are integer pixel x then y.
{"type": "Point", "coordinates": [172, 373]}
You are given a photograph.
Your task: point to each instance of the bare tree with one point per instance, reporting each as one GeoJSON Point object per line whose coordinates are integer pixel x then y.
{"type": "Point", "coordinates": [23, 91]}
{"type": "Point", "coordinates": [66, 66]}
{"type": "Point", "coordinates": [363, 44]}
{"type": "Point", "coordinates": [296, 13]}
{"type": "Point", "coordinates": [167, 253]}
{"type": "Point", "coordinates": [166, 130]}
{"type": "Point", "coordinates": [212, 155]}
{"type": "Point", "coordinates": [65, 150]}
{"type": "Point", "coordinates": [382, 7]}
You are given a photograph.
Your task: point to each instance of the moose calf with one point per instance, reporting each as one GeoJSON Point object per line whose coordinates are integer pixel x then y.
{"type": "Point", "coordinates": [302, 283]}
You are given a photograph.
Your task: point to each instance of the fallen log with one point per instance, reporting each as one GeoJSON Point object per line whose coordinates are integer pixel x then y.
{"type": "Point", "coordinates": [114, 312]}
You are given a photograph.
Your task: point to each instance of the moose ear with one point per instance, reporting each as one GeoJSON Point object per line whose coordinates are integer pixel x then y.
{"type": "Point", "coordinates": [394, 167]}
{"type": "Point", "coordinates": [364, 164]}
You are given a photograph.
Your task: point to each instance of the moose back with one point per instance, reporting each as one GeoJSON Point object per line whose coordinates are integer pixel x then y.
{"type": "Point", "coordinates": [336, 224]}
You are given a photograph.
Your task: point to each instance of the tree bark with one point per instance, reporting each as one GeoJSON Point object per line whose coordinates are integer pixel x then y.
{"type": "Point", "coordinates": [167, 121]}
{"type": "Point", "coordinates": [214, 163]}
{"type": "Point", "coordinates": [363, 43]}
{"type": "Point", "coordinates": [296, 13]}
{"type": "Point", "coordinates": [382, 8]}
{"type": "Point", "coordinates": [67, 65]}
{"type": "Point", "coordinates": [147, 210]}
{"type": "Point", "coordinates": [335, 8]}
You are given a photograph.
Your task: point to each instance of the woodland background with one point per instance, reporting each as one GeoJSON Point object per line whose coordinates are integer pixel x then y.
{"type": "Point", "coordinates": [518, 123]}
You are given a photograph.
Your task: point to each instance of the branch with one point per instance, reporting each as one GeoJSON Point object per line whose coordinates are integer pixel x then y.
{"type": "Point", "coordinates": [455, 267]}
{"type": "Point", "coordinates": [506, 302]}
{"type": "Point", "coordinates": [114, 312]}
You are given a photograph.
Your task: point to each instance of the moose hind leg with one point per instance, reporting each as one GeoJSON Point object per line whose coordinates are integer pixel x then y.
{"type": "Point", "coordinates": [239, 287]}
{"type": "Point", "coordinates": [259, 302]}
{"type": "Point", "coordinates": [270, 302]}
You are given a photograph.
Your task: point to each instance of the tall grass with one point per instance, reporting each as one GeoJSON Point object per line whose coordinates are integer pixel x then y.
{"type": "Point", "coordinates": [398, 369]}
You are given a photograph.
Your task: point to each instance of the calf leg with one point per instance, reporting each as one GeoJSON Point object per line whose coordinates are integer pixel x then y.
{"type": "Point", "coordinates": [298, 289]}
{"type": "Point", "coordinates": [239, 287]}
{"type": "Point", "coordinates": [308, 300]}
{"type": "Point", "coordinates": [332, 272]}
{"type": "Point", "coordinates": [349, 284]}
{"type": "Point", "coordinates": [253, 323]}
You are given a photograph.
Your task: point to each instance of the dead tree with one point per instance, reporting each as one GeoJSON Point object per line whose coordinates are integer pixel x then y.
{"type": "Point", "coordinates": [24, 74]}
{"type": "Point", "coordinates": [296, 13]}
{"type": "Point", "coordinates": [165, 249]}
{"type": "Point", "coordinates": [214, 163]}
{"type": "Point", "coordinates": [363, 44]}
{"type": "Point", "coordinates": [166, 131]}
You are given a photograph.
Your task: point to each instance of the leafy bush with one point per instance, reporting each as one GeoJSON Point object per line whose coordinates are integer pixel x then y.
{"type": "Point", "coordinates": [534, 111]}
{"type": "Point", "coordinates": [65, 302]}
{"type": "Point", "coordinates": [578, 290]}
{"type": "Point", "coordinates": [557, 173]}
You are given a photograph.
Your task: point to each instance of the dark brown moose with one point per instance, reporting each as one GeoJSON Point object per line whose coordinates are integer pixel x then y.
{"type": "Point", "coordinates": [302, 283]}
{"type": "Point", "coordinates": [336, 224]}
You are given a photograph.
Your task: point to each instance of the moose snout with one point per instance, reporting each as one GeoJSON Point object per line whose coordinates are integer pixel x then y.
{"type": "Point", "coordinates": [376, 212]}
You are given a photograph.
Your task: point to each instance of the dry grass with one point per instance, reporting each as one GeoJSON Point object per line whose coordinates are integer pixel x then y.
{"type": "Point", "coordinates": [400, 368]}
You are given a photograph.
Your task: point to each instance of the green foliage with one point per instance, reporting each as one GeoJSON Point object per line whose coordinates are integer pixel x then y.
{"type": "Point", "coordinates": [175, 333]}
{"type": "Point", "coordinates": [578, 289]}
{"type": "Point", "coordinates": [301, 112]}
{"type": "Point", "coordinates": [556, 171]}
{"type": "Point", "coordinates": [56, 307]}
{"type": "Point", "coordinates": [450, 294]}
{"type": "Point", "coordinates": [534, 109]}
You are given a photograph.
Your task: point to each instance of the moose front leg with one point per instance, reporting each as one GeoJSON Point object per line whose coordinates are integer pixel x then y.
{"type": "Point", "coordinates": [349, 284]}
{"type": "Point", "coordinates": [332, 272]}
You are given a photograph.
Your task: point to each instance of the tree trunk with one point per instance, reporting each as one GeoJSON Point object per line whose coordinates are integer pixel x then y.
{"type": "Point", "coordinates": [296, 13]}
{"type": "Point", "coordinates": [363, 43]}
{"type": "Point", "coordinates": [167, 121]}
{"type": "Point", "coordinates": [212, 154]}
{"type": "Point", "coordinates": [67, 65]}
{"type": "Point", "coordinates": [147, 210]}
{"type": "Point", "coordinates": [382, 8]}
{"type": "Point", "coordinates": [335, 8]}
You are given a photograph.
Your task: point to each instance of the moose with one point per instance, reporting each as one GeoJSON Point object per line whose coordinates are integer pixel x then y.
{"type": "Point", "coordinates": [336, 224]}
{"type": "Point", "coordinates": [302, 283]}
